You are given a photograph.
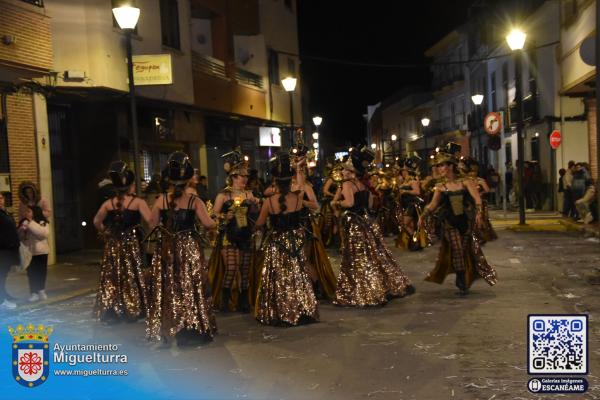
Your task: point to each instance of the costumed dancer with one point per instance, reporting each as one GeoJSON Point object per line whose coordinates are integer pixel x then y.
{"type": "Point", "coordinates": [470, 167]}
{"type": "Point", "coordinates": [387, 203]}
{"type": "Point", "coordinates": [180, 306]}
{"type": "Point", "coordinates": [409, 207]}
{"type": "Point", "coordinates": [230, 261]}
{"type": "Point", "coordinates": [369, 275]}
{"type": "Point", "coordinates": [122, 291]}
{"type": "Point", "coordinates": [460, 251]}
{"type": "Point", "coordinates": [285, 293]}
{"type": "Point", "coordinates": [328, 221]}
{"type": "Point", "coordinates": [318, 264]}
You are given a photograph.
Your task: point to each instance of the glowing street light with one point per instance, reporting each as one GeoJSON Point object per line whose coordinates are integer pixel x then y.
{"type": "Point", "coordinates": [373, 146]}
{"type": "Point", "coordinates": [425, 121]}
{"type": "Point", "coordinates": [317, 120]}
{"type": "Point", "coordinates": [516, 39]}
{"type": "Point", "coordinates": [315, 135]}
{"type": "Point", "coordinates": [394, 137]}
{"type": "Point", "coordinates": [316, 145]}
{"type": "Point", "coordinates": [477, 99]}
{"type": "Point", "coordinates": [289, 84]}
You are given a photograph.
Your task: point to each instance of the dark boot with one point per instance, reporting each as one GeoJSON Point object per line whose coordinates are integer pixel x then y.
{"type": "Point", "coordinates": [225, 296]}
{"type": "Point", "coordinates": [243, 305]}
{"type": "Point", "coordinates": [461, 283]}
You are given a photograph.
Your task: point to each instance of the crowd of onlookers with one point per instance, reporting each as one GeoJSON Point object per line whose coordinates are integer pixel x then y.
{"type": "Point", "coordinates": [24, 245]}
{"type": "Point", "coordinates": [577, 192]}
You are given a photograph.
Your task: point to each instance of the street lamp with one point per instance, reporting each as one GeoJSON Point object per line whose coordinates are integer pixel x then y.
{"type": "Point", "coordinates": [425, 122]}
{"type": "Point", "coordinates": [477, 99]}
{"type": "Point", "coordinates": [315, 135]}
{"type": "Point", "coordinates": [289, 84]}
{"type": "Point", "coordinates": [394, 138]}
{"type": "Point", "coordinates": [516, 42]}
{"type": "Point", "coordinates": [127, 17]}
{"type": "Point", "coordinates": [317, 120]}
{"type": "Point", "coordinates": [373, 146]}
{"type": "Point", "coordinates": [316, 145]}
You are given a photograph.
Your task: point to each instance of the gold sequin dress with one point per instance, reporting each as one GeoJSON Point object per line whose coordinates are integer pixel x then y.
{"type": "Point", "coordinates": [285, 293]}
{"type": "Point", "coordinates": [460, 251]}
{"type": "Point", "coordinates": [369, 275]}
{"type": "Point", "coordinates": [122, 293]}
{"type": "Point", "coordinates": [181, 304]}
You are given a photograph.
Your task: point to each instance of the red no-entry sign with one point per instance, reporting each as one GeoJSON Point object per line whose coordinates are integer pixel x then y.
{"type": "Point", "coordinates": [555, 139]}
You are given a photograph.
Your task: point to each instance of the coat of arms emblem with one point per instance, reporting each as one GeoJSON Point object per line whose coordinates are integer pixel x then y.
{"type": "Point", "coordinates": [30, 354]}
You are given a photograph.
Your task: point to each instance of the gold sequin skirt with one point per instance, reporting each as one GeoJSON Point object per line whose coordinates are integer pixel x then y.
{"type": "Point", "coordinates": [122, 291]}
{"type": "Point", "coordinates": [317, 256]}
{"type": "Point", "coordinates": [327, 221]}
{"type": "Point", "coordinates": [475, 263]}
{"type": "Point", "coordinates": [180, 299]}
{"type": "Point", "coordinates": [485, 232]}
{"type": "Point", "coordinates": [369, 275]}
{"type": "Point", "coordinates": [285, 293]}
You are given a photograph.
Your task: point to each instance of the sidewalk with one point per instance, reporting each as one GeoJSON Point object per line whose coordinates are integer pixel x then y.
{"type": "Point", "coordinates": [540, 221]}
{"type": "Point", "coordinates": [75, 274]}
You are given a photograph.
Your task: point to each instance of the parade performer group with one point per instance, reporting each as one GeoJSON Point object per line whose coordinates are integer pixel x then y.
{"type": "Point", "coordinates": [269, 256]}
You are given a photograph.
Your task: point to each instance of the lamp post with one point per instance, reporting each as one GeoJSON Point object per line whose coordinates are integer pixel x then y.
{"type": "Point", "coordinates": [516, 42]}
{"type": "Point", "coordinates": [289, 84]}
{"type": "Point", "coordinates": [425, 122]}
{"type": "Point", "coordinates": [477, 99]}
{"type": "Point", "coordinates": [127, 17]}
{"type": "Point", "coordinates": [394, 138]}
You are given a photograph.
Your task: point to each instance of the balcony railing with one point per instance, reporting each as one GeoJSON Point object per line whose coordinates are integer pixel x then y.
{"type": "Point", "coordinates": [248, 78]}
{"type": "Point", "coordinates": [208, 65]}
{"type": "Point", "coordinates": [39, 3]}
{"type": "Point", "coordinates": [530, 110]}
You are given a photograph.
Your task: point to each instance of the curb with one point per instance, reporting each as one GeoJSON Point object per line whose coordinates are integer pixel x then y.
{"type": "Point", "coordinates": [574, 226]}
{"type": "Point", "coordinates": [57, 299]}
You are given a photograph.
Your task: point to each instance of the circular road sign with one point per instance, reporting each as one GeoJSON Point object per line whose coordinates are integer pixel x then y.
{"type": "Point", "coordinates": [492, 123]}
{"type": "Point", "coordinates": [555, 139]}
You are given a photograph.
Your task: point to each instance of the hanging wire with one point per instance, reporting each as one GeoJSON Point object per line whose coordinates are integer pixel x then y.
{"type": "Point", "coordinates": [405, 65]}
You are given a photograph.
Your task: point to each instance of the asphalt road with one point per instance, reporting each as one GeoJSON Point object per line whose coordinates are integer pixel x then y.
{"type": "Point", "coordinates": [432, 345]}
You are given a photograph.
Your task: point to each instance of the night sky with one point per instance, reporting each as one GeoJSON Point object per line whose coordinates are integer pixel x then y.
{"type": "Point", "coordinates": [376, 31]}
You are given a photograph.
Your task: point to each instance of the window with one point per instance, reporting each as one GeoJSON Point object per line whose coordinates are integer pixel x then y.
{"type": "Point", "coordinates": [273, 67]}
{"type": "Point", "coordinates": [169, 23]}
{"type": "Point", "coordinates": [508, 152]}
{"type": "Point", "coordinates": [291, 67]}
{"type": "Point", "coordinates": [535, 149]}
{"type": "Point", "coordinates": [505, 81]}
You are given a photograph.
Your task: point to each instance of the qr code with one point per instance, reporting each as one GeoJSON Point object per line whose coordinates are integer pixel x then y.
{"type": "Point", "coordinates": [557, 344]}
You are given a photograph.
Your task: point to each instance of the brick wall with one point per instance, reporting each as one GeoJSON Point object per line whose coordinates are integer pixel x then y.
{"type": "Point", "coordinates": [31, 29]}
{"type": "Point", "coordinates": [21, 144]}
{"type": "Point", "coordinates": [593, 143]}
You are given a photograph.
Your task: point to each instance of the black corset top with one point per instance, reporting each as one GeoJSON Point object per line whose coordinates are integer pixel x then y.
{"type": "Point", "coordinates": [286, 221]}
{"type": "Point", "coordinates": [182, 219]}
{"type": "Point", "coordinates": [122, 220]}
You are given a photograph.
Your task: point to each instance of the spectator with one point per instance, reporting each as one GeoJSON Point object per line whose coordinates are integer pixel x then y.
{"type": "Point", "coordinates": [583, 204]}
{"type": "Point", "coordinates": [30, 198]}
{"type": "Point", "coordinates": [561, 189]}
{"type": "Point", "coordinates": [9, 253]}
{"type": "Point", "coordinates": [202, 188]}
{"type": "Point", "coordinates": [579, 184]}
{"type": "Point", "coordinates": [569, 203]}
{"type": "Point", "coordinates": [508, 180]}
{"type": "Point", "coordinates": [34, 231]}
{"type": "Point", "coordinates": [493, 180]}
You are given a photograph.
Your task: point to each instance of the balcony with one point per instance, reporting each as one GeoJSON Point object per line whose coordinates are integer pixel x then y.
{"type": "Point", "coordinates": [530, 110]}
{"type": "Point", "coordinates": [226, 88]}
